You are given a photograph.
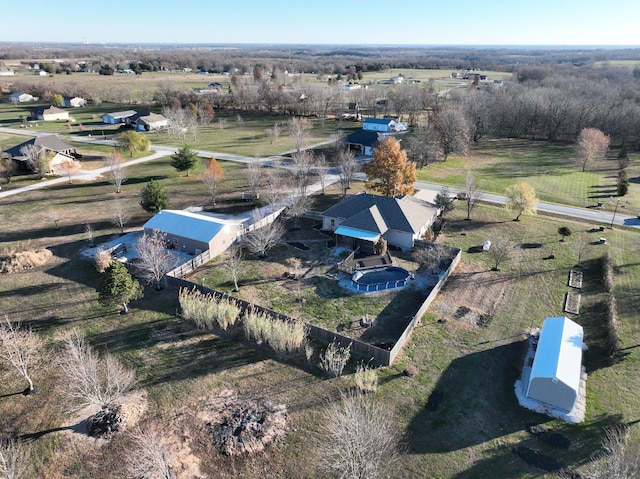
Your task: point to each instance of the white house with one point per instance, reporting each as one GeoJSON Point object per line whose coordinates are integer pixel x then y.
{"type": "Point", "coordinates": [383, 125]}
{"type": "Point", "coordinates": [21, 98]}
{"type": "Point", "coordinates": [6, 72]}
{"type": "Point", "coordinates": [117, 116]}
{"type": "Point", "coordinates": [361, 220]}
{"type": "Point", "coordinates": [557, 365]}
{"type": "Point", "coordinates": [193, 233]}
{"type": "Point", "coordinates": [150, 122]}
{"type": "Point", "coordinates": [50, 113]}
{"type": "Point", "coordinates": [73, 102]}
{"type": "Point", "coordinates": [41, 73]}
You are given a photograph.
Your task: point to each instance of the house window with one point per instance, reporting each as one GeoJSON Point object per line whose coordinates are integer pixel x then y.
{"type": "Point", "coordinates": [333, 224]}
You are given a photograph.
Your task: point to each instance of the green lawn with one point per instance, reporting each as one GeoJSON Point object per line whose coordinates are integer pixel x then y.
{"type": "Point", "coordinates": [553, 170]}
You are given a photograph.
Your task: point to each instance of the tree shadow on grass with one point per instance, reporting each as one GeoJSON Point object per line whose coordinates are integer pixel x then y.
{"type": "Point", "coordinates": [477, 403]}
{"type": "Point", "coordinates": [502, 462]}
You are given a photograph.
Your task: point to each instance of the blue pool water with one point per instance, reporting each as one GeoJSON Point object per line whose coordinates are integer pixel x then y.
{"type": "Point", "coordinates": [379, 279]}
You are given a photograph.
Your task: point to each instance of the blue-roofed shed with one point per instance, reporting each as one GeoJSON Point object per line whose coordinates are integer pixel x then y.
{"type": "Point", "coordinates": [192, 232]}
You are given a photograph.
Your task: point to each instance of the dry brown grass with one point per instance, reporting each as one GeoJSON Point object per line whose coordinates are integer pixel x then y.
{"type": "Point", "coordinates": [24, 260]}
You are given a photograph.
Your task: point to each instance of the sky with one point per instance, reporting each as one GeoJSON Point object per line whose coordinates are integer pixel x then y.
{"type": "Point", "coordinates": [340, 22]}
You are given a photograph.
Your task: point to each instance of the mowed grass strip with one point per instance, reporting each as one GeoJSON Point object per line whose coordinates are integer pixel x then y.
{"type": "Point", "coordinates": [554, 171]}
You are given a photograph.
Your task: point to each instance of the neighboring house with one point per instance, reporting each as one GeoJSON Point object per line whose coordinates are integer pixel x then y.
{"type": "Point", "coordinates": [362, 141]}
{"type": "Point", "coordinates": [49, 113]}
{"type": "Point", "coordinates": [383, 125]}
{"type": "Point", "coordinates": [6, 72]}
{"type": "Point", "coordinates": [21, 98]}
{"type": "Point", "coordinates": [557, 365]}
{"type": "Point", "coordinates": [47, 143]}
{"type": "Point", "coordinates": [361, 220]}
{"type": "Point", "coordinates": [117, 117]}
{"type": "Point", "coordinates": [193, 233]}
{"type": "Point", "coordinates": [148, 121]}
{"type": "Point", "coordinates": [41, 73]}
{"type": "Point", "coordinates": [352, 86]}
{"type": "Point", "coordinates": [73, 102]}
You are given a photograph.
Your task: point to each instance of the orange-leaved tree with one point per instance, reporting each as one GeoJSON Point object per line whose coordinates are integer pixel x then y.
{"type": "Point", "coordinates": [211, 177]}
{"type": "Point", "coordinates": [390, 172]}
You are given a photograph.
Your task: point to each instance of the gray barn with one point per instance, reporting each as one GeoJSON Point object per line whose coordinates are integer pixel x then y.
{"type": "Point", "coordinates": [557, 366]}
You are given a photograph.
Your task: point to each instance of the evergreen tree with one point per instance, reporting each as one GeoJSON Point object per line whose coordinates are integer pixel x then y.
{"type": "Point", "coordinates": [153, 197]}
{"type": "Point", "coordinates": [118, 287]}
{"type": "Point", "coordinates": [185, 159]}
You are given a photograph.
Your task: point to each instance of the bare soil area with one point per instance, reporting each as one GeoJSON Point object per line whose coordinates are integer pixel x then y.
{"type": "Point", "coordinates": [463, 300]}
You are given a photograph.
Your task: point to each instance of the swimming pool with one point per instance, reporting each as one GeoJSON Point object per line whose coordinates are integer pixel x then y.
{"type": "Point", "coordinates": [379, 279]}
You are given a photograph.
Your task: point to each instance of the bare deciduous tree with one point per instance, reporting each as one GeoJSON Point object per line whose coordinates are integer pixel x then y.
{"type": "Point", "coordinates": [88, 229]}
{"type": "Point", "coordinates": [89, 378]}
{"type": "Point", "coordinates": [254, 177]}
{"type": "Point", "coordinates": [36, 159]}
{"type": "Point", "coordinates": [580, 249]}
{"type": "Point", "coordinates": [321, 167]}
{"type": "Point", "coordinates": [102, 260]}
{"type": "Point", "coordinates": [592, 145]}
{"type": "Point", "coordinates": [234, 265]}
{"type": "Point", "coordinates": [150, 456]}
{"type": "Point", "coordinates": [298, 129]}
{"type": "Point", "coordinates": [120, 216]}
{"type": "Point", "coordinates": [15, 459]}
{"type": "Point", "coordinates": [358, 439]}
{"type": "Point", "coordinates": [276, 185]}
{"type": "Point", "coordinates": [502, 250]}
{"type": "Point", "coordinates": [19, 348]}
{"type": "Point", "coordinates": [55, 217]}
{"type": "Point", "coordinates": [297, 207]}
{"type": "Point", "coordinates": [265, 237]}
{"type": "Point", "coordinates": [155, 259]}
{"type": "Point", "coordinates": [302, 167]}
{"type": "Point", "coordinates": [117, 170]}
{"type": "Point", "coordinates": [347, 168]}
{"type": "Point", "coordinates": [430, 256]}
{"type": "Point", "coordinates": [471, 193]}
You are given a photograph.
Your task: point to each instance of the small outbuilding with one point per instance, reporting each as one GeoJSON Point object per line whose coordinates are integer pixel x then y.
{"type": "Point", "coordinates": [193, 233]}
{"type": "Point", "coordinates": [557, 365]}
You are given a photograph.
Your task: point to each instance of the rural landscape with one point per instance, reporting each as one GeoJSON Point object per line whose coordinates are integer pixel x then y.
{"type": "Point", "coordinates": [317, 262]}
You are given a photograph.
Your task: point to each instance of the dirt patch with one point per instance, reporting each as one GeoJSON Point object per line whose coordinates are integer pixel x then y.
{"type": "Point", "coordinates": [24, 260]}
{"type": "Point", "coordinates": [238, 425]}
{"type": "Point", "coordinates": [462, 300]}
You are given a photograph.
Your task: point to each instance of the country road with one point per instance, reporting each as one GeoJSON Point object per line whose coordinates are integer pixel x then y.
{"type": "Point", "coordinates": [593, 215]}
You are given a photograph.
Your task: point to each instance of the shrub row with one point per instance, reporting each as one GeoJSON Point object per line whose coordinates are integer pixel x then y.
{"type": "Point", "coordinates": [612, 325]}
{"type": "Point", "coordinates": [205, 311]}
{"type": "Point", "coordinates": [281, 336]}
{"type": "Point", "coordinates": [607, 272]}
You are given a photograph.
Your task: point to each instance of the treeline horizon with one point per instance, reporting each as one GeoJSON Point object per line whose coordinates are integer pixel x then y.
{"type": "Point", "coordinates": [327, 59]}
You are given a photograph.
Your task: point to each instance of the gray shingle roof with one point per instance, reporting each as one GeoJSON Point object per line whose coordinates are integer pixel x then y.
{"type": "Point", "coordinates": [367, 220]}
{"type": "Point", "coordinates": [400, 213]}
{"type": "Point", "coordinates": [49, 142]}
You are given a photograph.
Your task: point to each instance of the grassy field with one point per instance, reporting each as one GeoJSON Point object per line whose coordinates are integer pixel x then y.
{"type": "Point", "coordinates": [476, 422]}
{"type": "Point", "coordinates": [471, 432]}
{"type": "Point", "coordinates": [553, 170]}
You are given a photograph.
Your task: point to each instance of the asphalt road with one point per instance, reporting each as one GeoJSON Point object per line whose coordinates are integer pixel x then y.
{"type": "Point", "coordinates": [593, 215]}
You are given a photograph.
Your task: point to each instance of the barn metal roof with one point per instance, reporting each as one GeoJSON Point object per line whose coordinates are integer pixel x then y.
{"type": "Point", "coordinates": [559, 352]}
{"type": "Point", "coordinates": [188, 225]}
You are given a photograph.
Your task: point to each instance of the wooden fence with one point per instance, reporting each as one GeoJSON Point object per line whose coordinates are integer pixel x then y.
{"type": "Point", "coordinates": [186, 268]}
{"type": "Point", "coordinates": [380, 356]}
